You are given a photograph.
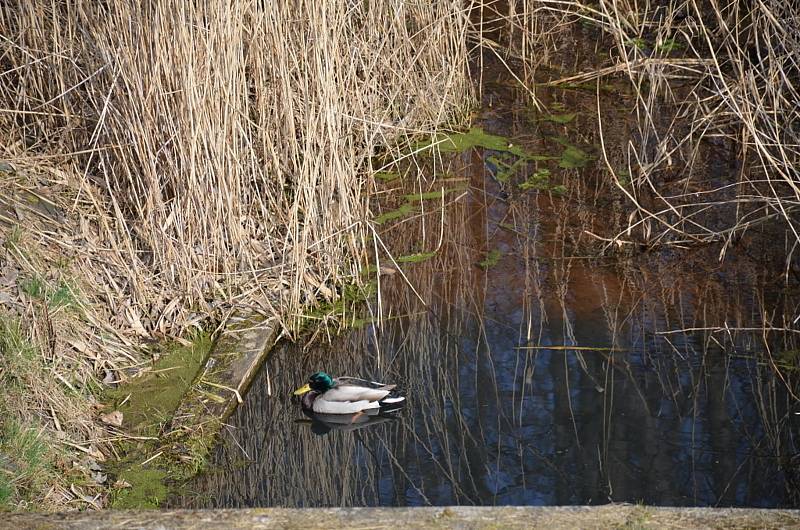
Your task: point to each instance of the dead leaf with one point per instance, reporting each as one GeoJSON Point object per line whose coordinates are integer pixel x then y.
{"type": "Point", "coordinates": [135, 322]}
{"type": "Point", "coordinates": [77, 344]}
{"type": "Point", "coordinates": [112, 418]}
{"type": "Point", "coordinates": [96, 453]}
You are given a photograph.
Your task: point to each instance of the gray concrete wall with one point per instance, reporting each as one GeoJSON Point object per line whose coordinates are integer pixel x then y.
{"type": "Point", "coordinates": [609, 516]}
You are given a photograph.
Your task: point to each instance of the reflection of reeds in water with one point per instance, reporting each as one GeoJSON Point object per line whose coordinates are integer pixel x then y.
{"type": "Point", "coordinates": [669, 400]}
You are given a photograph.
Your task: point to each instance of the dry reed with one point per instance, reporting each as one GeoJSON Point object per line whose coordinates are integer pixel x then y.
{"type": "Point", "coordinates": [203, 156]}
{"type": "Point", "coordinates": [223, 144]}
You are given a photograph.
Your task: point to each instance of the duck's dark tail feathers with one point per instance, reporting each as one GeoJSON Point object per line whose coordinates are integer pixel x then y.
{"type": "Point", "coordinates": [392, 402]}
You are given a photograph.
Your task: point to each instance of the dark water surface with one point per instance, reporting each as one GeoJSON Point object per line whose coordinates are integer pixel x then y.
{"type": "Point", "coordinates": [539, 370]}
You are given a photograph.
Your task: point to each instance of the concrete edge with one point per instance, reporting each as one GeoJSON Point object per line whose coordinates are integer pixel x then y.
{"type": "Point", "coordinates": [607, 516]}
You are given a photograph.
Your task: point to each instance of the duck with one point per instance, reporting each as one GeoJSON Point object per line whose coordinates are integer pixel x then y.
{"type": "Point", "coordinates": [324, 394]}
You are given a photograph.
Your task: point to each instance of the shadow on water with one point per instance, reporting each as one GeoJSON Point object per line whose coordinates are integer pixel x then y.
{"type": "Point", "coordinates": [537, 370]}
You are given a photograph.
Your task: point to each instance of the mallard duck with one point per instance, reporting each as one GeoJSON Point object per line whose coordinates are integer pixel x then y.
{"type": "Point", "coordinates": [346, 395]}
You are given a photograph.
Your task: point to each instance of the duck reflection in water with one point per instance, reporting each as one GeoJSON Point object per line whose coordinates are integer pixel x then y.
{"type": "Point", "coordinates": [322, 424]}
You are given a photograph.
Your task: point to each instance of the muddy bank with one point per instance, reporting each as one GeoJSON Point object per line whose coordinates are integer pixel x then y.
{"type": "Point", "coordinates": [611, 516]}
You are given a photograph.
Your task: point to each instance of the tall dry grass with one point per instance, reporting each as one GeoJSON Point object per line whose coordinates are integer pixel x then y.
{"type": "Point", "coordinates": [714, 74]}
{"type": "Point", "coordinates": [224, 147]}
{"type": "Point", "coordinates": [176, 160]}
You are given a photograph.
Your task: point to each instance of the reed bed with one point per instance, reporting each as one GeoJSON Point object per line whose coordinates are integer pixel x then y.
{"type": "Point", "coordinates": [224, 144]}
{"type": "Point", "coordinates": [200, 157]}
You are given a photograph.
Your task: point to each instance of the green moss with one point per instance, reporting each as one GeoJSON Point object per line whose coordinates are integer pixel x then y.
{"type": "Point", "coordinates": [148, 402]}
{"type": "Point", "coordinates": [147, 491]}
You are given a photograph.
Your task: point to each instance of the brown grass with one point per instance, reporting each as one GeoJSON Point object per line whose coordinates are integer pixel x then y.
{"type": "Point", "coordinates": [205, 156]}
{"type": "Point", "coordinates": [221, 144]}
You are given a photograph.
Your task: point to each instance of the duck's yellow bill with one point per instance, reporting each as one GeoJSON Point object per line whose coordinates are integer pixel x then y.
{"type": "Point", "coordinates": [302, 390]}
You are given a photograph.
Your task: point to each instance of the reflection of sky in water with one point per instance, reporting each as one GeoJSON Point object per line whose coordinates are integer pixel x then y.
{"type": "Point", "coordinates": [491, 422]}
{"type": "Point", "coordinates": [515, 426]}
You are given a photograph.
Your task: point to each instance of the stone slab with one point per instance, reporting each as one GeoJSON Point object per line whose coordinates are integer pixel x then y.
{"type": "Point", "coordinates": [608, 516]}
{"type": "Point", "coordinates": [232, 364]}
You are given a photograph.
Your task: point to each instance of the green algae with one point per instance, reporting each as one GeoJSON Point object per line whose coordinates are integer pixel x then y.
{"type": "Point", "coordinates": [409, 207]}
{"type": "Point", "coordinates": [669, 45]}
{"type": "Point", "coordinates": [459, 142]}
{"type": "Point", "coordinates": [387, 176]}
{"type": "Point", "coordinates": [492, 258]}
{"type": "Point", "coordinates": [415, 258]}
{"type": "Point", "coordinates": [561, 119]}
{"type": "Point", "coordinates": [587, 87]}
{"type": "Point", "coordinates": [505, 171]}
{"type": "Point", "coordinates": [433, 194]}
{"type": "Point", "coordinates": [403, 211]}
{"type": "Point", "coordinates": [147, 489]}
{"type": "Point", "coordinates": [572, 156]}
{"type": "Point", "coordinates": [539, 180]}
{"type": "Point", "coordinates": [148, 402]}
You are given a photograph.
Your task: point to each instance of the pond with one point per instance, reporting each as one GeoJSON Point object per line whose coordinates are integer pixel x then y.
{"type": "Point", "coordinates": [542, 365]}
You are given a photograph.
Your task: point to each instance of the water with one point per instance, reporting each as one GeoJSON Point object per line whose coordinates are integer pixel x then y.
{"type": "Point", "coordinates": [541, 368]}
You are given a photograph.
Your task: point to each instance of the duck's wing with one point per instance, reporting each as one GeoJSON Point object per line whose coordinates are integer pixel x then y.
{"type": "Point", "coordinates": [357, 381]}
{"type": "Point", "coordinates": [324, 406]}
{"type": "Point", "coordinates": [348, 392]}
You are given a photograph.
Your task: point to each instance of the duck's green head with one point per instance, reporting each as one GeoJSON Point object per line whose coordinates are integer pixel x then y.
{"type": "Point", "coordinates": [319, 382]}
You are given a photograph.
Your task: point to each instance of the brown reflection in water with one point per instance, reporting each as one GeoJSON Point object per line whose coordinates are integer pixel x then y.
{"type": "Point", "coordinates": [672, 406]}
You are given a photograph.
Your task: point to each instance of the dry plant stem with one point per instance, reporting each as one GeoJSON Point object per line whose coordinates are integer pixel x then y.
{"type": "Point", "coordinates": [702, 71]}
